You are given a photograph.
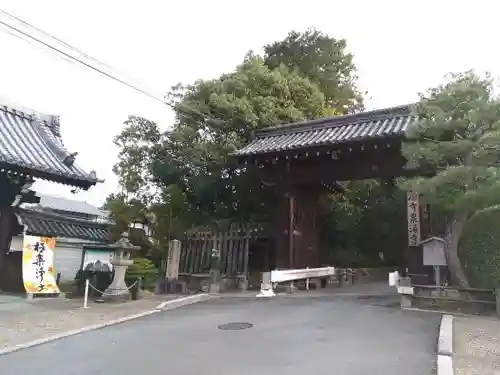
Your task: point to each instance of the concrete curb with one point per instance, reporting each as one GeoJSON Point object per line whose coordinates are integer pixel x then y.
{"type": "Point", "coordinates": [303, 294]}
{"type": "Point", "coordinates": [178, 302]}
{"type": "Point", "coordinates": [164, 306]}
{"type": "Point", "coordinates": [440, 312]}
{"type": "Point", "coordinates": [445, 346]}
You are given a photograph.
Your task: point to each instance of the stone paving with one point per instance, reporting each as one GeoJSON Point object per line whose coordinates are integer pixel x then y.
{"type": "Point", "coordinates": [476, 345]}
{"type": "Point", "coordinates": [22, 321]}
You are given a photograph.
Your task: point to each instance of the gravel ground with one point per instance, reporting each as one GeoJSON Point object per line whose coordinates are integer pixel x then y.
{"type": "Point", "coordinates": [23, 321]}
{"type": "Point", "coordinates": [476, 345]}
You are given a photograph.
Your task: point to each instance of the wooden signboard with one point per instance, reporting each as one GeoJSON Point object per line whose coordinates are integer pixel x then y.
{"type": "Point", "coordinates": [412, 201]}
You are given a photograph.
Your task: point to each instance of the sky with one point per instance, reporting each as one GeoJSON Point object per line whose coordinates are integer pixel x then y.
{"type": "Point", "coordinates": [400, 48]}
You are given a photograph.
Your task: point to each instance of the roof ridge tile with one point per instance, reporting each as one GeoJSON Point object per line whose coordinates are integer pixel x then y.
{"type": "Point", "coordinates": [329, 122]}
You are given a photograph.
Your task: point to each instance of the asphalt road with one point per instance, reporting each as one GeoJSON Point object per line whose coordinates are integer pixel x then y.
{"type": "Point", "coordinates": [312, 336]}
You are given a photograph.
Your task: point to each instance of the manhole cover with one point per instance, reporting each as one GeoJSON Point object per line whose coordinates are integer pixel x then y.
{"type": "Point", "coordinates": [235, 326]}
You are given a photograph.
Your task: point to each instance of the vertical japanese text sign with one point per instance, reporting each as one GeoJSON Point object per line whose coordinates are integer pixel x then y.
{"type": "Point", "coordinates": [38, 265]}
{"type": "Point", "coordinates": [412, 201]}
{"type": "Point", "coordinates": [174, 257]}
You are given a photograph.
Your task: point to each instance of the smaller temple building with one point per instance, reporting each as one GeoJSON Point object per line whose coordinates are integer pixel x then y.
{"type": "Point", "coordinates": [31, 148]}
{"type": "Point", "coordinates": [74, 224]}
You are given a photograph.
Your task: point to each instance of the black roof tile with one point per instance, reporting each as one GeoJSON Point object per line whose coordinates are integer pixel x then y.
{"type": "Point", "coordinates": [54, 225]}
{"type": "Point", "coordinates": [330, 131]}
{"type": "Point", "coordinates": [31, 142]}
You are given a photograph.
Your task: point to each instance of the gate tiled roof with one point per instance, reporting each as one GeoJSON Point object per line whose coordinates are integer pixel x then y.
{"type": "Point", "coordinates": [31, 143]}
{"type": "Point", "coordinates": [382, 123]}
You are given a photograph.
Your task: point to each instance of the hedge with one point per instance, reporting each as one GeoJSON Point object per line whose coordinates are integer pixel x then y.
{"type": "Point", "coordinates": [480, 249]}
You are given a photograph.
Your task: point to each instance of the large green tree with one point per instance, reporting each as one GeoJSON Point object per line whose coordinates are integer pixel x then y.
{"type": "Point", "coordinates": [237, 104]}
{"type": "Point", "coordinates": [216, 117]}
{"type": "Point", "coordinates": [325, 61]}
{"type": "Point", "coordinates": [457, 135]}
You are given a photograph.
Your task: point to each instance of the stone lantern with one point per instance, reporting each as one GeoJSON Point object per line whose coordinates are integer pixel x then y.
{"type": "Point", "coordinates": [120, 259]}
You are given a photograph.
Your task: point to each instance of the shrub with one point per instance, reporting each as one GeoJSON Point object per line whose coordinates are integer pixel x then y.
{"type": "Point", "coordinates": [142, 268]}
{"type": "Point", "coordinates": [480, 249]}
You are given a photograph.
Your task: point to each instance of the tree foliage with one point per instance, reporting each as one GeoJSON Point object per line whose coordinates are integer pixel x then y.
{"type": "Point", "coordinates": [137, 147]}
{"type": "Point", "coordinates": [369, 212]}
{"type": "Point", "coordinates": [198, 150]}
{"type": "Point", "coordinates": [480, 248]}
{"type": "Point", "coordinates": [143, 269]}
{"type": "Point", "coordinates": [186, 175]}
{"type": "Point", "coordinates": [218, 116]}
{"type": "Point", "coordinates": [325, 61]}
{"type": "Point", "coordinates": [457, 136]}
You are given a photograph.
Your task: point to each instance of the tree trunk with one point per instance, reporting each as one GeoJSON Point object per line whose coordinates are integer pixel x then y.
{"type": "Point", "coordinates": [454, 230]}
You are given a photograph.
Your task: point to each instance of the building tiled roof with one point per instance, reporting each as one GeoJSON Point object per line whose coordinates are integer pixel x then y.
{"type": "Point", "coordinates": [381, 123]}
{"type": "Point", "coordinates": [53, 225]}
{"type": "Point", "coordinates": [49, 202]}
{"type": "Point", "coordinates": [31, 143]}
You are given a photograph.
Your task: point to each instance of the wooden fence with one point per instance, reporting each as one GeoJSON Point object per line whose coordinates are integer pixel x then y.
{"type": "Point", "coordinates": [233, 244]}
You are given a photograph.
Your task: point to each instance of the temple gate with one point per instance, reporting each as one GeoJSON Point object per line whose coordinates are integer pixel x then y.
{"type": "Point", "coordinates": [306, 159]}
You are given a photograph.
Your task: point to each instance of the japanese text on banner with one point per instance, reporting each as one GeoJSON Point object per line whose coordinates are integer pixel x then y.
{"type": "Point", "coordinates": [39, 276]}
{"type": "Point", "coordinates": [412, 201]}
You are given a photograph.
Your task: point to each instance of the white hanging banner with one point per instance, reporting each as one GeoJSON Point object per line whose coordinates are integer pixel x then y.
{"type": "Point", "coordinates": [39, 275]}
{"type": "Point", "coordinates": [412, 204]}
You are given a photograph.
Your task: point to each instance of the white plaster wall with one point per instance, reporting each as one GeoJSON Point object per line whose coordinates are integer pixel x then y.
{"type": "Point", "coordinates": [17, 243]}
{"type": "Point", "coordinates": [67, 261]}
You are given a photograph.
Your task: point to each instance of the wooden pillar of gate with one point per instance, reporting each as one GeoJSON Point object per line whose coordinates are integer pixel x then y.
{"type": "Point", "coordinates": [306, 232]}
{"type": "Point", "coordinates": [297, 235]}
{"type": "Point", "coordinates": [281, 232]}
{"type": "Point", "coordinates": [284, 220]}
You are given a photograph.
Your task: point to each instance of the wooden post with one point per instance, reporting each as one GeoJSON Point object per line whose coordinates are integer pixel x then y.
{"type": "Point", "coordinates": [291, 201]}
{"type": "Point", "coordinates": [437, 275]}
{"type": "Point", "coordinates": [247, 237]}
{"type": "Point", "coordinates": [267, 255]}
{"type": "Point", "coordinates": [215, 270]}
{"type": "Point", "coordinates": [497, 298]}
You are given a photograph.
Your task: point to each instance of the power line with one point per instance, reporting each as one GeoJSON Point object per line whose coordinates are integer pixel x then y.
{"type": "Point", "coordinates": [82, 62]}
{"type": "Point", "coordinates": [111, 76]}
{"type": "Point", "coordinates": [62, 42]}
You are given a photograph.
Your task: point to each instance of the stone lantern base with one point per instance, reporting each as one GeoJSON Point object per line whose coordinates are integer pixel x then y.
{"type": "Point", "coordinates": [118, 290]}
